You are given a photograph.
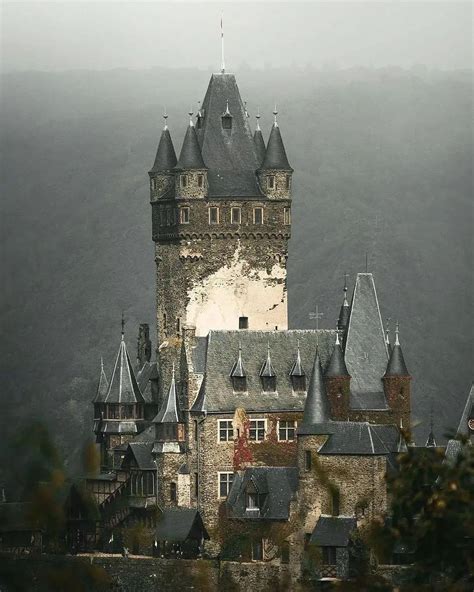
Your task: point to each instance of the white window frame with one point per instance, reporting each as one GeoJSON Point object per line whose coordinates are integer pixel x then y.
{"type": "Point", "coordinates": [229, 481]}
{"type": "Point", "coordinates": [295, 425]}
{"type": "Point", "coordinates": [254, 217]}
{"type": "Point", "coordinates": [239, 210]}
{"type": "Point", "coordinates": [183, 181]}
{"type": "Point", "coordinates": [256, 433]}
{"type": "Point", "coordinates": [153, 184]}
{"type": "Point", "coordinates": [218, 215]}
{"type": "Point", "coordinates": [231, 429]}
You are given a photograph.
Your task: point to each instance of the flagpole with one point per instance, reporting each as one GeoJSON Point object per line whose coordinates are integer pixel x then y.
{"type": "Point", "coordinates": [222, 47]}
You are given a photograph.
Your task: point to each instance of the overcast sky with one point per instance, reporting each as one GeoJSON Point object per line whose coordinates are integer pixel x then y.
{"type": "Point", "coordinates": [105, 34]}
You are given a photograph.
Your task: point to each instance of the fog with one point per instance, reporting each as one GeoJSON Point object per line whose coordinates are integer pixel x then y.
{"type": "Point", "coordinates": [68, 35]}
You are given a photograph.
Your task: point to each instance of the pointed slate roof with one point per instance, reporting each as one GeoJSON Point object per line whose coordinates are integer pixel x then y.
{"type": "Point", "coordinates": [123, 387]}
{"type": "Point", "coordinates": [190, 156]}
{"type": "Point", "coordinates": [337, 365]}
{"type": "Point", "coordinates": [230, 155]}
{"type": "Point", "coordinates": [238, 370]}
{"type": "Point", "coordinates": [169, 412]}
{"type": "Point", "coordinates": [259, 145]}
{"type": "Point", "coordinates": [344, 313]}
{"type": "Point", "coordinates": [103, 385]}
{"type": "Point", "coordinates": [267, 368]}
{"type": "Point", "coordinates": [165, 159]}
{"type": "Point", "coordinates": [468, 413]}
{"type": "Point", "coordinates": [297, 368]}
{"type": "Point", "coordinates": [365, 350]}
{"type": "Point", "coordinates": [431, 440]}
{"type": "Point", "coordinates": [396, 365]}
{"type": "Point", "coordinates": [316, 408]}
{"type": "Point", "coordinates": [275, 155]}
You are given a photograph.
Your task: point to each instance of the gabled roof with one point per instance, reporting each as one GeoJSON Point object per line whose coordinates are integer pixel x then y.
{"type": "Point", "coordinates": [177, 525]}
{"type": "Point", "coordinates": [277, 485]}
{"type": "Point", "coordinates": [123, 387]}
{"type": "Point", "coordinates": [190, 156]}
{"type": "Point", "coordinates": [333, 531]}
{"type": "Point", "coordinates": [216, 393]}
{"type": "Point", "coordinates": [238, 370]}
{"type": "Point", "coordinates": [147, 374]}
{"type": "Point", "coordinates": [365, 351]}
{"type": "Point", "coordinates": [337, 366]}
{"type": "Point", "coordinates": [165, 159]}
{"type": "Point", "coordinates": [230, 155]}
{"type": "Point", "coordinates": [275, 154]}
{"type": "Point", "coordinates": [103, 385]}
{"type": "Point", "coordinates": [267, 370]}
{"type": "Point", "coordinates": [316, 408]}
{"type": "Point", "coordinates": [169, 412]}
{"type": "Point", "coordinates": [141, 453]}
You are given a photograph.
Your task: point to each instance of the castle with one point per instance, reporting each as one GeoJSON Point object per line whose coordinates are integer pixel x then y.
{"type": "Point", "coordinates": [244, 438]}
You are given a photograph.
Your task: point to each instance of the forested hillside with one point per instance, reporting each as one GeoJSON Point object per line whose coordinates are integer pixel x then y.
{"type": "Point", "coordinates": [383, 165]}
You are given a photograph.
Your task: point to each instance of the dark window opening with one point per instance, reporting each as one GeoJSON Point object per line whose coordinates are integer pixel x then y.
{"type": "Point", "coordinates": [239, 384]}
{"type": "Point", "coordinates": [235, 215]}
{"type": "Point", "coordinates": [329, 556]}
{"type": "Point", "coordinates": [286, 216]}
{"type": "Point", "coordinates": [288, 182]}
{"type": "Point", "coordinates": [183, 179]}
{"type": "Point", "coordinates": [196, 484]}
{"type": "Point", "coordinates": [225, 483]}
{"type": "Point", "coordinates": [200, 181]}
{"type": "Point", "coordinates": [173, 495]}
{"type": "Point", "coordinates": [213, 215]}
{"type": "Point", "coordinates": [257, 550]}
{"type": "Point", "coordinates": [243, 322]}
{"type": "Point", "coordinates": [195, 430]}
{"type": "Point", "coordinates": [335, 502]}
{"type": "Point", "coordinates": [184, 215]}
{"type": "Point", "coordinates": [269, 384]}
{"type": "Point", "coordinates": [307, 460]}
{"type": "Point", "coordinates": [227, 122]}
{"type": "Point", "coordinates": [299, 383]}
{"type": "Point", "coordinates": [258, 216]}
{"type": "Point", "coordinates": [285, 552]}
{"type": "Point", "coordinates": [271, 182]}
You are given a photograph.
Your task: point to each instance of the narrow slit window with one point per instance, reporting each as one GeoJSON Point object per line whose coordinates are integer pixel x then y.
{"type": "Point", "coordinates": [307, 460]}
{"type": "Point", "coordinates": [236, 215]}
{"type": "Point", "coordinates": [184, 215]}
{"type": "Point", "coordinates": [258, 216]}
{"type": "Point", "coordinates": [200, 181]}
{"type": "Point", "coordinates": [288, 182]}
{"type": "Point", "coordinates": [287, 216]}
{"type": "Point", "coordinates": [183, 179]}
{"type": "Point", "coordinates": [213, 215]}
{"type": "Point", "coordinates": [271, 182]}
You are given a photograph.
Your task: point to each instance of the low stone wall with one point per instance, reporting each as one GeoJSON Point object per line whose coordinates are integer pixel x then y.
{"type": "Point", "coordinates": [90, 573]}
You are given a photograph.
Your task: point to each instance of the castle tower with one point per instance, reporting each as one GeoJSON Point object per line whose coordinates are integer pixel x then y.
{"type": "Point", "coordinates": [221, 228]}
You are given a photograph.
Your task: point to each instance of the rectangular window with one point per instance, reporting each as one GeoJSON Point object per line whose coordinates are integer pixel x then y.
{"type": "Point", "coordinates": [168, 217]}
{"type": "Point", "coordinates": [226, 431]}
{"type": "Point", "coordinates": [127, 411]}
{"type": "Point", "coordinates": [257, 550]}
{"type": "Point", "coordinates": [184, 215]}
{"type": "Point", "coordinates": [288, 182]}
{"type": "Point", "coordinates": [196, 484]}
{"type": "Point", "coordinates": [307, 460]}
{"type": "Point", "coordinates": [183, 180]}
{"type": "Point", "coordinates": [195, 430]}
{"type": "Point", "coordinates": [225, 483]}
{"type": "Point", "coordinates": [243, 322]}
{"type": "Point", "coordinates": [286, 431]}
{"type": "Point", "coordinates": [173, 495]}
{"type": "Point", "coordinates": [329, 556]}
{"type": "Point", "coordinates": [153, 184]}
{"type": "Point", "coordinates": [252, 501]}
{"type": "Point", "coordinates": [235, 215]}
{"type": "Point", "coordinates": [213, 215]}
{"type": "Point", "coordinates": [258, 215]}
{"type": "Point", "coordinates": [285, 552]}
{"type": "Point", "coordinates": [287, 216]}
{"type": "Point", "coordinates": [271, 182]}
{"type": "Point", "coordinates": [200, 181]}
{"type": "Point", "coordinates": [257, 430]}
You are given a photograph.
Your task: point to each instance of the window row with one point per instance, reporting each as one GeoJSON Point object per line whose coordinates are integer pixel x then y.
{"type": "Point", "coordinates": [272, 182]}
{"type": "Point", "coordinates": [269, 384]}
{"type": "Point", "coordinates": [117, 411]}
{"type": "Point", "coordinates": [257, 430]}
{"type": "Point", "coordinates": [171, 216]}
{"type": "Point", "coordinates": [142, 483]}
{"type": "Point", "coordinates": [184, 181]}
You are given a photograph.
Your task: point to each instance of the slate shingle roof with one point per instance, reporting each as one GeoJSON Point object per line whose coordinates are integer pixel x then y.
{"type": "Point", "coordinates": [216, 393]}
{"type": "Point", "coordinates": [148, 372]}
{"type": "Point", "coordinates": [230, 155]}
{"type": "Point", "coordinates": [278, 485]}
{"type": "Point", "coordinates": [165, 159]}
{"type": "Point", "coordinates": [141, 452]}
{"type": "Point", "coordinates": [365, 350]}
{"type": "Point", "coordinates": [259, 146]}
{"type": "Point", "coordinates": [123, 387]}
{"type": "Point", "coordinates": [333, 531]}
{"type": "Point", "coordinates": [102, 387]}
{"type": "Point", "coordinates": [316, 408]}
{"type": "Point", "coordinates": [275, 154]}
{"type": "Point", "coordinates": [467, 414]}
{"type": "Point", "coordinates": [396, 365]}
{"type": "Point", "coordinates": [190, 156]}
{"type": "Point", "coordinates": [355, 438]}
{"type": "Point", "coordinates": [169, 412]}
{"type": "Point", "coordinates": [176, 525]}
{"type": "Point", "coordinates": [337, 365]}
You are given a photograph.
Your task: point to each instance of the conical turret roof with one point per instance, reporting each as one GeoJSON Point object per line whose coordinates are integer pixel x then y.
{"type": "Point", "coordinates": [169, 412]}
{"type": "Point", "coordinates": [275, 154]}
{"type": "Point", "coordinates": [190, 156]}
{"type": "Point", "coordinates": [165, 159]}
{"type": "Point", "coordinates": [103, 385]}
{"type": "Point", "coordinates": [123, 387]}
{"type": "Point", "coordinates": [316, 409]}
{"type": "Point", "coordinates": [259, 144]}
{"type": "Point", "coordinates": [396, 365]}
{"type": "Point", "coordinates": [337, 365]}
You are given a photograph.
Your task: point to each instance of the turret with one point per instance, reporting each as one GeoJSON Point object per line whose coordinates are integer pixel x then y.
{"type": "Point", "coordinates": [344, 313]}
{"type": "Point", "coordinates": [169, 425]}
{"type": "Point", "coordinates": [397, 382]}
{"type": "Point", "coordinates": [191, 178]}
{"type": "Point", "coordinates": [275, 171]}
{"type": "Point", "coordinates": [162, 174]}
{"type": "Point", "coordinates": [316, 408]}
{"type": "Point", "coordinates": [338, 383]}
{"type": "Point", "coordinates": [259, 142]}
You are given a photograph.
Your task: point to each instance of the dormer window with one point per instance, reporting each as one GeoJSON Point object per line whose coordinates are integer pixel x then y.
{"type": "Point", "coordinates": [239, 384]}
{"type": "Point", "coordinates": [227, 118]}
{"type": "Point", "coordinates": [268, 375]}
{"type": "Point", "coordinates": [200, 181]}
{"type": "Point", "coordinates": [238, 376]}
{"type": "Point", "coordinates": [288, 182]}
{"type": "Point", "coordinates": [183, 181]}
{"type": "Point", "coordinates": [269, 384]}
{"type": "Point", "coordinates": [298, 383]}
{"type": "Point", "coordinates": [271, 182]}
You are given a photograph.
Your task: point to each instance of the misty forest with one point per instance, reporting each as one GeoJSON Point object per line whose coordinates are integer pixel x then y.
{"type": "Point", "coordinates": [382, 163]}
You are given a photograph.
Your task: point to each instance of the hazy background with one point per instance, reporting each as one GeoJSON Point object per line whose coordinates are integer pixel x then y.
{"type": "Point", "coordinates": [375, 104]}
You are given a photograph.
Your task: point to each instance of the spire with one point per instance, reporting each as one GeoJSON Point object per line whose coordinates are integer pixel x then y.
{"type": "Point", "coordinates": [297, 369]}
{"type": "Point", "coordinates": [169, 412]}
{"type": "Point", "coordinates": [316, 409]}
{"type": "Point", "coordinates": [402, 445]}
{"type": "Point", "coordinates": [123, 387]}
{"type": "Point", "coordinates": [165, 158]}
{"type": "Point", "coordinates": [396, 365]}
{"type": "Point", "coordinates": [387, 335]}
{"type": "Point", "coordinates": [238, 370]}
{"type": "Point", "coordinates": [222, 46]}
{"type": "Point", "coordinates": [275, 155]}
{"type": "Point", "coordinates": [431, 440]}
{"type": "Point", "coordinates": [190, 156]}
{"type": "Point", "coordinates": [267, 368]}
{"type": "Point", "coordinates": [259, 141]}
{"type": "Point", "coordinates": [103, 384]}
{"type": "Point", "coordinates": [337, 366]}
{"type": "Point", "coordinates": [344, 313]}
{"type": "Point", "coordinates": [227, 113]}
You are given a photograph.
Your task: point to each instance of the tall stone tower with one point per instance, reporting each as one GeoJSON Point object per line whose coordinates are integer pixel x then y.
{"type": "Point", "coordinates": [221, 221]}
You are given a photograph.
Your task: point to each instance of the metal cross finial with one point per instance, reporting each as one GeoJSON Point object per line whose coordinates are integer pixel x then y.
{"type": "Point", "coordinates": [315, 316]}
{"type": "Point", "coordinates": [275, 113]}
{"type": "Point", "coordinates": [165, 117]}
{"type": "Point", "coordinates": [397, 331]}
{"type": "Point", "coordinates": [345, 303]}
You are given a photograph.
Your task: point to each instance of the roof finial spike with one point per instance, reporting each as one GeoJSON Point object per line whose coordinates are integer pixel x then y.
{"type": "Point", "coordinates": [123, 325]}
{"type": "Point", "coordinates": [397, 331]}
{"type": "Point", "coordinates": [337, 337]}
{"type": "Point", "coordinates": [275, 113]}
{"type": "Point", "coordinates": [190, 113]}
{"type": "Point", "coordinates": [227, 112]}
{"type": "Point", "coordinates": [165, 117]}
{"type": "Point", "coordinates": [345, 303]}
{"type": "Point", "coordinates": [222, 45]}
{"type": "Point", "coordinates": [257, 117]}
{"type": "Point", "coordinates": [172, 371]}
{"type": "Point", "coordinates": [101, 363]}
